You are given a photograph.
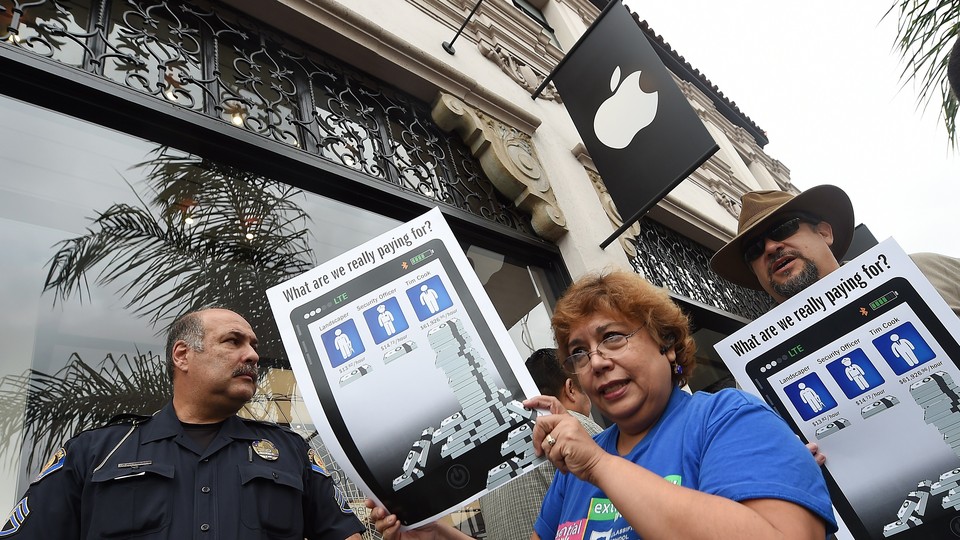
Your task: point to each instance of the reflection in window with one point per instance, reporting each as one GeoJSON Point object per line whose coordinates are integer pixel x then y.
{"type": "Point", "coordinates": [521, 296]}
{"type": "Point", "coordinates": [108, 243]}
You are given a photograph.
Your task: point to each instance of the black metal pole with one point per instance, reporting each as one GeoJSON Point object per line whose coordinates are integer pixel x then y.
{"type": "Point", "coordinates": [448, 45]}
{"type": "Point", "coordinates": [626, 225]}
{"type": "Point", "coordinates": [548, 78]}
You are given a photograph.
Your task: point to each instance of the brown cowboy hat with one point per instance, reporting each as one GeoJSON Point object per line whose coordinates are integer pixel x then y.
{"type": "Point", "coordinates": [761, 208]}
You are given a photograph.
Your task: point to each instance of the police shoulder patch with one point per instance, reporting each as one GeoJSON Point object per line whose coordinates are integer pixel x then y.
{"type": "Point", "coordinates": [316, 462]}
{"type": "Point", "coordinates": [55, 463]}
{"type": "Point", "coordinates": [16, 519]}
{"type": "Point", "coordinates": [342, 500]}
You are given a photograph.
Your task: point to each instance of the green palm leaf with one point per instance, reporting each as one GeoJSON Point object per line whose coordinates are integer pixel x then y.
{"type": "Point", "coordinates": [207, 234]}
{"type": "Point", "coordinates": [199, 234]}
{"type": "Point", "coordinates": [46, 409]}
{"type": "Point", "coordinates": [926, 32]}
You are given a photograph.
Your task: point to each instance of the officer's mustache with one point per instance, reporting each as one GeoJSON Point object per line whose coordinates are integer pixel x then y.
{"type": "Point", "coordinates": [246, 369]}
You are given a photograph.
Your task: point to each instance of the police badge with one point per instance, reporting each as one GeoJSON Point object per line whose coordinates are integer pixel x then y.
{"type": "Point", "coordinates": [265, 449]}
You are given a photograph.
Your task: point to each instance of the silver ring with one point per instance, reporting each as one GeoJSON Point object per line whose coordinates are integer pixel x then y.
{"type": "Point", "coordinates": [550, 440]}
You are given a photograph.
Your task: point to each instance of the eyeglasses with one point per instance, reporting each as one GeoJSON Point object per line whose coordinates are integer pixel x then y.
{"type": "Point", "coordinates": [579, 361]}
{"type": "Point", "coordinates": [754, 248]}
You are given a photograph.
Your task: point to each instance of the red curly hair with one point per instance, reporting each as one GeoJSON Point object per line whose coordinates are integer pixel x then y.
{"type": "Point", "coordinates": [627, 294]}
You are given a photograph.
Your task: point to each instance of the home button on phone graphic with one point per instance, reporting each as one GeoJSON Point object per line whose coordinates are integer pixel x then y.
{"type": "Point", "coordinates": [458, 476]}
{"type": "Point", "coordinates": [955, 526]}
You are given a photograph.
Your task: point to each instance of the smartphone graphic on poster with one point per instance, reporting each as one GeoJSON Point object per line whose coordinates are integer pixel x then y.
{"type": "Point", "coordinates": [890, 389]}
{"type": "Point", "coordinates": [413, 383]}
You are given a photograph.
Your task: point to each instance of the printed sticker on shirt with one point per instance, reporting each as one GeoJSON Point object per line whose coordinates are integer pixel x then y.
{"type": "Point", "coordinates": [602, 510]}
{"type": "Point", "coordinates": [316, 462]}
{"type": "Point", "coordinates": [674, 479]}
{"type": "Point", "coordinates": [16, 519]}
{"type": "Point", "coordinates": [604, 522]}
{"type": "Point", "coordinates": [55, 463]}
{"type": "Point", "coordinates": [572, 530]}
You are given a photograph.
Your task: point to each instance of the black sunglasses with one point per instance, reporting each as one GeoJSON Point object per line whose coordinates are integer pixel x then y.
{"type": "Point", "coordinates": [754, 248]}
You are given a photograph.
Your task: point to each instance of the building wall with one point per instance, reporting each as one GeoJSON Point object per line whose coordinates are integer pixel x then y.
{"type": "Point", "coordinates": [501, 57]}
{"type": "Point", "coordinates": [530, 148]}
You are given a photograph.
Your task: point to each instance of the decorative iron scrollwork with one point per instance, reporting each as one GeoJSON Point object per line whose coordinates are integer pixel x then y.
{"type": "Point", "coordinates": [673, 261]}
{"type": "Point", "coordinates": [206, 58]}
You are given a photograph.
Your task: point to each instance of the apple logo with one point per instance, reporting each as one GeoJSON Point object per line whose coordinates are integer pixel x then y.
{"type": "Point", "coordinates": [621, 116]}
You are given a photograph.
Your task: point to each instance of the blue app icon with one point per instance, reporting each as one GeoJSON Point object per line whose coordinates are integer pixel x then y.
{"type": "Point", "coordinates": [342, 342]}
{"type": "Point", "coordinates": [428, 298]}
{"type": "Point", "coordinates": [385, 320]}
{"type": "Point", "coordinates": [854, 373]}
{"type": "Point", "coordinates": [903, 348]}
{"type": "Point", "coordinates": [810, 397]}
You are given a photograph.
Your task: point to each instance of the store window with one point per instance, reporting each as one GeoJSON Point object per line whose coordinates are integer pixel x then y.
{"type": "Point", "coordinates": [521, 293]}
{"type": "Point", "coordinates": [107, 238]}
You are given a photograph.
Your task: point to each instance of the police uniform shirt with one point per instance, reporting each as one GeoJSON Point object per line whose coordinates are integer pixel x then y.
{"type": "Point", "coordinates": [152, 481]}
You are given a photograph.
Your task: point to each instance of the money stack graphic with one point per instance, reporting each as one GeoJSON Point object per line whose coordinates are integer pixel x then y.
{"type": "Point", "coordinates": [939, 397]}
{"type": "Point", "coordinates": [485, 412]}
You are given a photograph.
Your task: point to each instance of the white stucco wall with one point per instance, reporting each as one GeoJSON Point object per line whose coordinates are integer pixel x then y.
{"type": "Point", "coordinates": [402, 45]}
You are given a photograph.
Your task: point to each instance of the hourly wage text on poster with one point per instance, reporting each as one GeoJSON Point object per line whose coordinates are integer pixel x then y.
{"type": "Point", "coordinates": [410, 378]}
{"type": "Point", "coordinates": [863, 363]}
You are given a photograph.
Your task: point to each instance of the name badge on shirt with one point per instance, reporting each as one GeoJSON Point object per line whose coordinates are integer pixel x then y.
{"type": "Point", "coordinates": [134, 464]}
{"type": "Point", "coordinates": [266, 450]}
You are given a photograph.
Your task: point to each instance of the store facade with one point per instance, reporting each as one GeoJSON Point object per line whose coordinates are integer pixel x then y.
{"type": "Point", "coordinates": [164, 155]}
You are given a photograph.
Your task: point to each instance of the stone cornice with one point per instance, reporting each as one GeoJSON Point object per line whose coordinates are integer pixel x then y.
{"type": "Point", "coordinates": [508, 159]}
{"type": "Point", "coordinates": [738, 136]}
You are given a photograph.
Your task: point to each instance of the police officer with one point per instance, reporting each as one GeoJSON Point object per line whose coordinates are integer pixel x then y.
{"type": "Point", "coordinates": [193, 470]}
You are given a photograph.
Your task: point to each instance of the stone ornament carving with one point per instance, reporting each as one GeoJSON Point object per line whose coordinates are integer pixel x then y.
{"type": "Point", "coordinates": [613, 214]}
{"type": "Point", "coordinates": [509, 160]}
{"type": "Point", "coordinates": [518, 70]}
{"type": "Point", "coordinates": [723, 194]}
{"type": "Point", "coordinates": [506, 37]}
{"type": "Point", "coordinates": [731, 204]}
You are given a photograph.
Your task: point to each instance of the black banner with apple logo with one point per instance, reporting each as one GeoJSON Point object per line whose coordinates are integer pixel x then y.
{"type": "Point", "coordinates": [640, 130]}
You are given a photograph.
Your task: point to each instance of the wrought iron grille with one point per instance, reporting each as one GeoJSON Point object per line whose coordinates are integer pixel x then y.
{"type": "Point", "coordinates": [211, 60]}
{"type": "Point", "coordinates": [681, 265]}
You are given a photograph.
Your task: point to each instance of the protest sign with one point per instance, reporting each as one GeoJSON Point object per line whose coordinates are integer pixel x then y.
{"type": "Point", "coordinates": [864, 363]}
{"type": "Point", "coordinates": [412, 381]}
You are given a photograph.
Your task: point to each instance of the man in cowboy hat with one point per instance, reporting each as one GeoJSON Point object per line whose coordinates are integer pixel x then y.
{"type": "Point", "coordinates": [787, 242]}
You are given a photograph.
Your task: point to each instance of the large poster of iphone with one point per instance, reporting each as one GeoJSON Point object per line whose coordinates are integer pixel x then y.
{"type": "Point", "coordinates": [874, 381]}
{"type": "Point", "coordinates": [415, 391]}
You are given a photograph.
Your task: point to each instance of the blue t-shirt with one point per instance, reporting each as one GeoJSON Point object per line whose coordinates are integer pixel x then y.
{"type": "Point", "coordinates": [728, 444]}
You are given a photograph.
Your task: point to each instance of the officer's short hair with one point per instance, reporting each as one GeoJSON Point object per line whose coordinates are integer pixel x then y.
{"type": "Point", "coordinates": [189, 328]}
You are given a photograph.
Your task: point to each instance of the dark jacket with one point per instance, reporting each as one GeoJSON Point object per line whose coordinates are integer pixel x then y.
{"type": "Point", "coordinates": [146, 479]}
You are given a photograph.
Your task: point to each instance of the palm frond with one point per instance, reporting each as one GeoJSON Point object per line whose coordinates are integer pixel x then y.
{"type": "Point", "coordinates": [47, 409]}
{"type": "Point", "coordinates": [199, 233]}
{"type": "Point", "coordinates": [926, 33]}
{"type": "Point", "coordinates": [204, 234]}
